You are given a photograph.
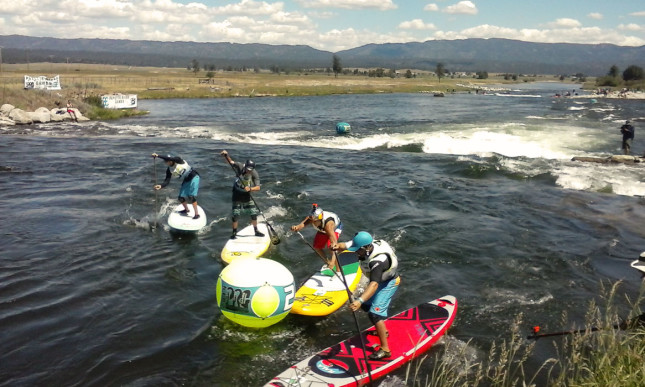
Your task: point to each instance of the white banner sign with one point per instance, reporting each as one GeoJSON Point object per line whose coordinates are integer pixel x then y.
{"type": "Point", "coordinates": [119, 101]}
{"type": "Point", "coordinates": [42, 82]}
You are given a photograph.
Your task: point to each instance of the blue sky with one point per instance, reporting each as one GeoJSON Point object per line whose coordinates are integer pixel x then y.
{"type": "Point", "coordinates": [331, 25]}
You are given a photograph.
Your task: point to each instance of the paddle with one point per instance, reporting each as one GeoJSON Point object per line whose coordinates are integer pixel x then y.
{"type": "Point", "coordinates": [154, 164]}
{"type": "Point", "coordinates": [275, 239]}
{"type": "Point", "coordinates": [350, 297]}
{"type": "Point", "coordinates": [624, 325]}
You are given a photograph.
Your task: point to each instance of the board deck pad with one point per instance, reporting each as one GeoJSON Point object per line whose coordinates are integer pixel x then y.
{"type": "Point", "coordinates": [324, 292]}
{"type": "Point", "coordinates": [186, 223]}
{"type": "Point", "coordinates": [411, 333]}
{"type": "Point", "coordinates": [246, 244]}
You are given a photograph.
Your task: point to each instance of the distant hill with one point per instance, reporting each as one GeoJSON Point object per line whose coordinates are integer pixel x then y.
{"type": "Point", "coordinates": [498, 55]}
{"type": "Point", "coordinates": [492, 55]}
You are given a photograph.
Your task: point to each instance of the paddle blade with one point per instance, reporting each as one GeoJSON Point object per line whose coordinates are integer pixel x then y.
{"type": "Point", "coordinates": [275, 239]}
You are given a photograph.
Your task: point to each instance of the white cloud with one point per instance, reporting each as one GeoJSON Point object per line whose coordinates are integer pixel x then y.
{"type": "Point", "coordinates": [223, 32]}
{"type": "Point", "coordinates": [382, 5]}
{"type": "Point", "coordinates": [587, 35]}
{"type": "Point", "coordinates": [272, 22]}
{"type": "Point", "coordinates": [290, 18]}
{"type": "Point", "coordinates": [432, 7]}
{"type": "Point", "coordinates": [250, 7]}
{"type": "Point", "coordinates": [631, 27]}
{"type": "Point", "coordinates": [416, 24]}
{"type": "Point", "coordinates": [462, 7]}
{"type": "Point", "coordinates": [99, 8]}
{"type": "Point", "coordinates": [564, 23]}
{"type": "Point", "coordinates": [19, 7]}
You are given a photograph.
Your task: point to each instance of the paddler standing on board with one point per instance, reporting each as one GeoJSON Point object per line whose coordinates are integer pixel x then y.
{"type": "Point", "coordinates": [329, 227]}
{"type": "Point", "coordinates": [378, 261]}
{"type": "Point", "coordinates": [190, 185]}
{"type": "Point", "coordinates": [247, 181]}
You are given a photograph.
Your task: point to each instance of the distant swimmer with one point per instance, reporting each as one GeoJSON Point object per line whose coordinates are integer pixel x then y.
{"type": "Point", "coordinates": [189, 186]}
{"type": "Point", "coordinates": [628, 136]}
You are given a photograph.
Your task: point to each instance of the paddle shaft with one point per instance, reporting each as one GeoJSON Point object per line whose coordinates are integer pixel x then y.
{"type": "Point", "coordinates": [154, 164]}
{"type": "Point", "coordinates": [563, 333]}
{"type": "Point", "coordinates": [624, 325]}
{"type": "Point", "coordinates": [275, 239]}
{"type": "Point", "coordinates": [349, 297]}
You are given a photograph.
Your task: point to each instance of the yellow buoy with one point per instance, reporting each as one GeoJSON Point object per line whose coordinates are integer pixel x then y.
{"type": "Point", "coordinates": [255, 292]}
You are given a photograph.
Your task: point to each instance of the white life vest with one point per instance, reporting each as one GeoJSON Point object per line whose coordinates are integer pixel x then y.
{"type": "Point", "coordinates": [326, 217]}
{"type": "Point", "coordinates": [181, 170]}
{"type": "Point", "coordinates": [382, 252]}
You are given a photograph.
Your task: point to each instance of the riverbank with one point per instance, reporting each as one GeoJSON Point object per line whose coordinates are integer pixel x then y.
{"type": "Point", "coordinates": [80, 81]}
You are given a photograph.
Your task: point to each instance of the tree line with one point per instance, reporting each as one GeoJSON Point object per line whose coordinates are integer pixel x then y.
{"type": "Point", "coordinates": [632, 74]}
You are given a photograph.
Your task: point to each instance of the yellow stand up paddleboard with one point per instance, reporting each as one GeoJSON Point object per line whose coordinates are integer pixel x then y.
{"type": "Point", "coordinates": [246, 244]}
{"type": "Point", "coordinates": [324, 292]}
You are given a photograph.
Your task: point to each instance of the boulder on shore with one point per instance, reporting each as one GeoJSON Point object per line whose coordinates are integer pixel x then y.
{"type": "Point", "coordinates": [10, 115]}
{"type": "Point", "coordinates": [41, 115]}
{"type": "Point", "coordinates": [6, 108]}
{"type": "Point", "coordinates": [6, 121]}
{"type": "Point", "coordinates": [20, 117]}
{"type": "Point", "coordinates": [58, 115]}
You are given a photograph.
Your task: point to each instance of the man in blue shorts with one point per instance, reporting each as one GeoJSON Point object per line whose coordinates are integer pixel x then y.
{"type": "Point", "coordinates": [247, 181]}
{"type": "Point", "coordinates": [190, 185]}
{"type": "Point", "coordinates": [378, 261]}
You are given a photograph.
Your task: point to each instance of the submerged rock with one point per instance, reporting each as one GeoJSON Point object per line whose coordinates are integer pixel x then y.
{"type": "Point", "coordinates": [619, 159]}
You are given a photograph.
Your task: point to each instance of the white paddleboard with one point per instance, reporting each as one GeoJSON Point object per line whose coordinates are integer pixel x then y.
{"type": "Point", "coordinates": [246, 244]}
{"type": "Point", "coordinates": [639, 265]}
{"type": "Point", "coordinates": [186, 223]}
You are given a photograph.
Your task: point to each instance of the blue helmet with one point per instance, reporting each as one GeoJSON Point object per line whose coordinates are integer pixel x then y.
{"type": "Point", "coordinates": [361, 239]}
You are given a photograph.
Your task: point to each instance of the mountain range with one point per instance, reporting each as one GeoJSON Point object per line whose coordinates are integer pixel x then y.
{"type": "Point", "coordinates": [470, 55]}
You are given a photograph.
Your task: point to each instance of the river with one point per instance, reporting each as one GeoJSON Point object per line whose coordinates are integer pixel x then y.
{"type": "Point", "coordinates": [477, 194]}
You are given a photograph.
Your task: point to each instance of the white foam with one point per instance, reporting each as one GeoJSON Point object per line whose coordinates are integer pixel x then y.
{"type": "Point", "coordinates": [272, 195]}
{"type": "Point", "coordinates": [620, 179]}
{"type": "Point", "coordinates": [206, 229]}
{"type": "Point", "coordinates": [486, 143]}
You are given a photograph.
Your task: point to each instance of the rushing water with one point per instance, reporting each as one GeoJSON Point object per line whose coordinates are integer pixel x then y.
{"type": "Point", "coordinates": [477, 193]}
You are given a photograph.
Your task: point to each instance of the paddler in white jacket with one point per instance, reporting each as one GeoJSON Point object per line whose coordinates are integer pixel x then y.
{"type": "Point", "coordinates": [378, 261]}
{"type": "Point", "coordinates": [189, 184]}
{"type": "Point", "coordinates": [329, 227]}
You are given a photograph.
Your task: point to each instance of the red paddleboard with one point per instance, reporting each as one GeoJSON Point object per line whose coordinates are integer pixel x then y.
{"type": "Point", "coordinates": [411, 334]}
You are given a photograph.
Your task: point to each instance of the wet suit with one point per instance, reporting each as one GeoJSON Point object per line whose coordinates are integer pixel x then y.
{"type": "Point", "coordinates": [628, 136]}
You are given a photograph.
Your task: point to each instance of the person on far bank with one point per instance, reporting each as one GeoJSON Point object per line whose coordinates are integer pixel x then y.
{"type": "Point", "coordinates": [247, 181]}
{"type": "Point", "coordinates": [378, 261]}
{"type": "Point", "coordinates": [628, 136]}
{"type": "Point", "coordinates": [189, 186]}
{"type": "Point", "coordinates": [329, 227]}
{"type": "Point", "coordinates": [70, 110]}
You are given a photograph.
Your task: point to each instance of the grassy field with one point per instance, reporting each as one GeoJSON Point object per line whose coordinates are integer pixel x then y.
{"type": "Point", "coordinates": [80, 81]}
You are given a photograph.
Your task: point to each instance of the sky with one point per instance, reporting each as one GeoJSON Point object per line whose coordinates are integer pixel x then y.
{"type": "Point", "coordinates": [330, 25]}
